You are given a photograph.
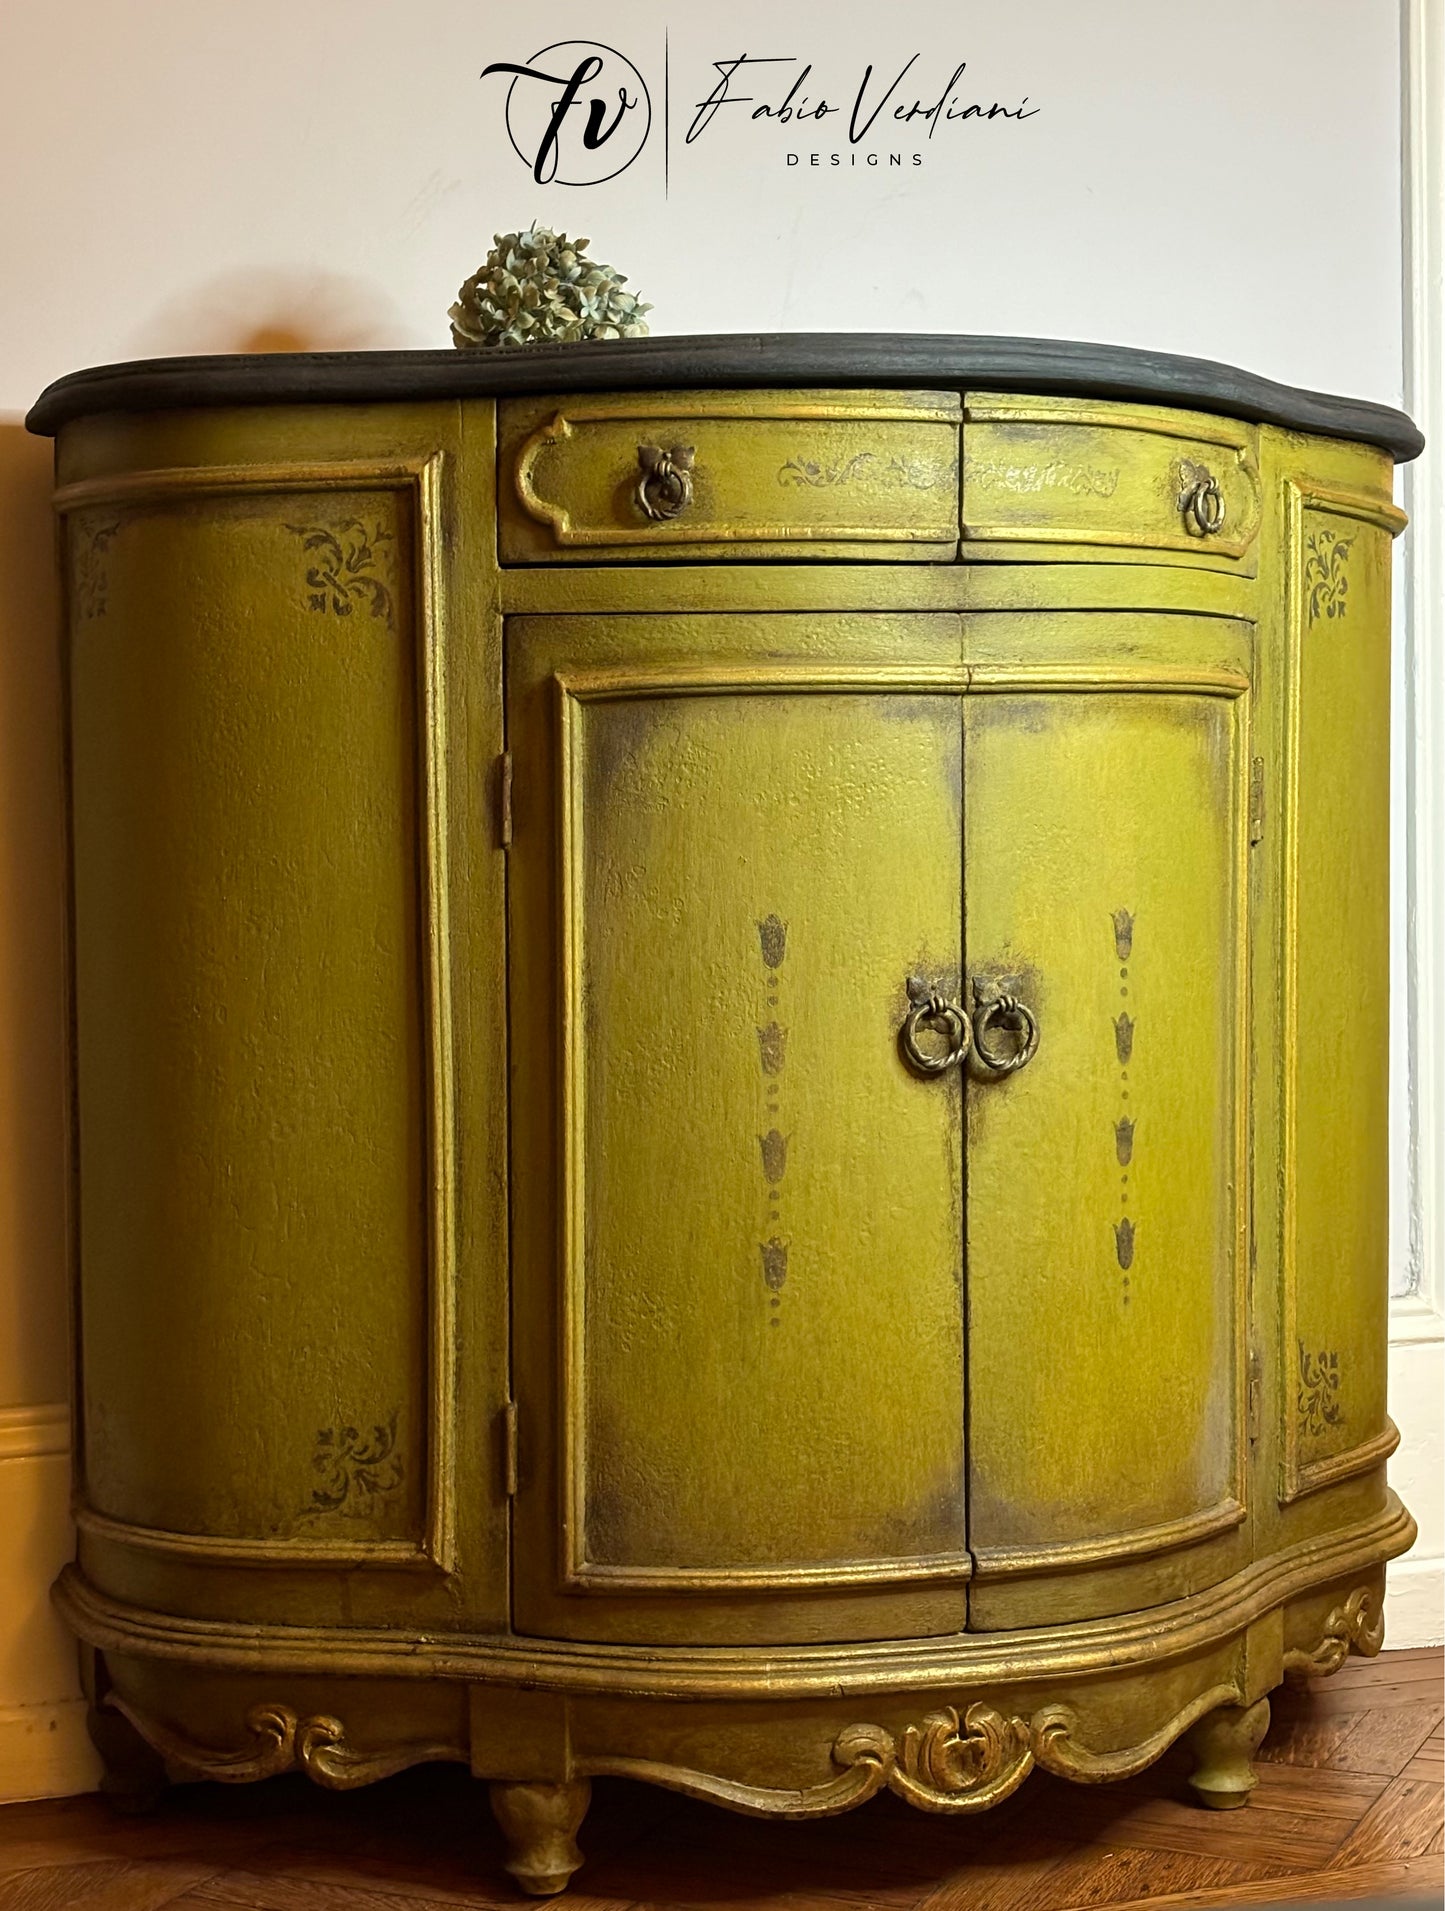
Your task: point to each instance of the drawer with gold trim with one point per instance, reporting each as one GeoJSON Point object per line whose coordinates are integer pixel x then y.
{"type": "Point", "coordinates": [847, 474]}
{"type": "Point", "coordinates": [1132, 483]}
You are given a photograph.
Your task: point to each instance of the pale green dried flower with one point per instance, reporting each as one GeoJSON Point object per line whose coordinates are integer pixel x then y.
{"type": "Point", "coordinates": [535, 288]}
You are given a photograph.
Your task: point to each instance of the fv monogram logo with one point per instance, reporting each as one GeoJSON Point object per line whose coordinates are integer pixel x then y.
{"type": "Point", "coordinates": [577, 112]}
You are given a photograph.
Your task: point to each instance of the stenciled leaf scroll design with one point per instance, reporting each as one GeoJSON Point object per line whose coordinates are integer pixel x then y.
{"type": "Point", "coordinates": [360, 1468]}
{"type": "Point", "coordinates": [343, 572]}
{"type": "Point", "coordinates": [1319, 1390]}
{"type": "Point", "coordinates": [90, 573]}
{"type": "Point", "coordinates": [913, 472]}
{"type": "Point", "coordinates": [1326, 580]}
{"type": "Point", "coordinates": [944, 1764]}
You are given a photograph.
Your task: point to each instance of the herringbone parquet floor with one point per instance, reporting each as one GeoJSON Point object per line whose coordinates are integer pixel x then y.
{"type": "Point", "coordinates": [1348, 1805]}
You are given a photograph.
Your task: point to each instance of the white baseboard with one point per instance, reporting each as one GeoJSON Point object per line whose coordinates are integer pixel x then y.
{"type": "Point", "coordinates": [1415, 1585]}
{"type": "Point", "coordinates": [1414, 1602]}
{"type": "Point", "coordinates": [45, 1752]}
{"type": "Point", "coordinates": [44, 1749]}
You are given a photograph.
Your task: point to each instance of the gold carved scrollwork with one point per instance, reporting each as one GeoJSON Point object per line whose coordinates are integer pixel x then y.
{"type": "Point", "coordinates": [282, 1741]}
{"type": "Point", "coordinates": [1359, 1625]}
{"type": "Point", "coordinates": [944, 1764]}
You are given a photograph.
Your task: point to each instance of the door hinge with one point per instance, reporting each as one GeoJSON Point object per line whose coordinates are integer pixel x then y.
{"type": "Point", "coordinates": [509, 1449]}
{"type": "Point", "coordinates": [504, 799]}
{"type": "Point", "coordinates": [1252, 1402]}
{"type": "Point", "coordinates": [1256, 800]}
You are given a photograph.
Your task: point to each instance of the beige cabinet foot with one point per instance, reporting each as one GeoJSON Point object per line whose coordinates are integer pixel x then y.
{"type": "Point", "coordinates": [1224, 1744]}
{"type": "Point", "coordinates": [539, 1823]}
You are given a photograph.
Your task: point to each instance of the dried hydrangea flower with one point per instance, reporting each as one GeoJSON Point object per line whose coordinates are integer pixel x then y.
{"type": "Point", "coordinates": [536, 288]}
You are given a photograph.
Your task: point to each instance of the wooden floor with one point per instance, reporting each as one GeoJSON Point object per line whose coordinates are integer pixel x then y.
{"type": "Point", "coordinates": [1348, 1805]}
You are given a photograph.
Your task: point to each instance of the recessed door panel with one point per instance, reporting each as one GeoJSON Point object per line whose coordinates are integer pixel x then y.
{"type": "Point", "coordinates": [1106, 1229]}
{"type": "Point", "coordinates": [742, 1231]}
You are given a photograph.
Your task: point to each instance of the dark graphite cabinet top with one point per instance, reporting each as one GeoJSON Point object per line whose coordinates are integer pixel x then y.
{"type": "Point", "coordinates": [719, 360]}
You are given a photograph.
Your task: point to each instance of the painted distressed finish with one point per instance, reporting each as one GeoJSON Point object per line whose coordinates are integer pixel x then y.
{"type": "Point", "coordinates": [508, 1215]}
{"type": "Point", "coordinates": [735, 839]}
{"type": "Point", "coordinates": [1107, 1224]}
{"type": "Point", "coordinates": [1125, 482]}
{"type": "Point", "coordinates": [248, 986]}
{"type": "Point", "coordinates": [843, 474]}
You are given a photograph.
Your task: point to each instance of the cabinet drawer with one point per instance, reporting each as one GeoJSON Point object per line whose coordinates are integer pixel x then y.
{"type": "Point", "coordinates": [853, 474]}
{"type": "Point", "coordinates": [1132, 483]}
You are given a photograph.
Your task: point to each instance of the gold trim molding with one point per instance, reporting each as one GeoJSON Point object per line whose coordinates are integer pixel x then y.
{"type": "Point", "coordinates": [208, 1549]}
{"type": "Point", "coordinates": [1178, 1630]}
{"type": "Point", "coordinates": [1138, 1544]}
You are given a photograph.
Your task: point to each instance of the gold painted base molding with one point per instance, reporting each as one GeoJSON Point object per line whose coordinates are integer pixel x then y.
{"type": "Point", "coordinates": [950, 1761]}
{"type": "Point", "coordinates": [1176, 1631]}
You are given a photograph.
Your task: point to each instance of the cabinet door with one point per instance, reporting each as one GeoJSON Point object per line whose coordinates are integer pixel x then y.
{"type": "Point", "coordinates": [1106, 855]}
{"type": "Point", "coordinates": [738, 1240]}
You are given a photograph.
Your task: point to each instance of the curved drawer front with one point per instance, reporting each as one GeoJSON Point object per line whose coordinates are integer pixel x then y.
{"type": "Point", "coordinates": [732, 474]}
{"type": "Point", "coordinates": [1132, 482]}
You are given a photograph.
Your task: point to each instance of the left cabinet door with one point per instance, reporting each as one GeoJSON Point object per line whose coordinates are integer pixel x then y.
{"type": "Point", "coordinates": [288, 995]}
{"type": "Point", "coordinates": [737, 1246]}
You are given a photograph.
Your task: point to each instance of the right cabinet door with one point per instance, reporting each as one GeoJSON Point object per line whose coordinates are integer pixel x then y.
{"type": "Point", "coordinates": [1106, 875]}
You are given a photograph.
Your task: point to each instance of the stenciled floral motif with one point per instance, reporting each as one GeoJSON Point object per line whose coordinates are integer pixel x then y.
{"type": "Point", "coordinates": [773, 937]}
{"type": "Point", "coordinates": [90, 581]}
{"type": "Point", "coordinates": [1124, 1038]}
{"type": "Point", "coordinates": [1326, 581]}
{"type": "Point", "coordinates": [772, 1048]}
{"type": "Point", "coordinates": [360, 1468]}
{"type": "Point", "coordinates": [775, 1154]}
{"type": "Point", "coordinates": [1319, 1390]}
{"type": "Point", "coordinates": [775, 1263]}
{"type": "Point", "coordinates": [343, 571]}
{"type": "Point", "coordinates": [910, 471]}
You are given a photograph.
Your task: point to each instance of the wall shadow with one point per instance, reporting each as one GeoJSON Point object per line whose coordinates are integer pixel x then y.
{"type": "Point", "coordinates": [34, 1283]}
{"type": "Point", "coordinates": [276, 311]}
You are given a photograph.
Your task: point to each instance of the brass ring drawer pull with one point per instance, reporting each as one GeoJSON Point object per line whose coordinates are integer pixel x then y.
{"type": "Point", "coordinates": [665, 488]}
{"type": "Point", "coordinates": [1201, 500]}
{"type": "Point", "coordinates": [1006, 1014]}
{"type": "Point", "coordinates": [930, 1010]}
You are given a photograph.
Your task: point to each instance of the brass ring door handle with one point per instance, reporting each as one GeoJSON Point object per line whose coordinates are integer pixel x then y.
{"type": "Point", "coordinates": [1200, 500]}
{"type": "Point", "coordinates": [930, 1010]}
{"type": "Point", "coordinates": [1006, 1015]}
{"type": "Point", "coordinates": [664, 489]}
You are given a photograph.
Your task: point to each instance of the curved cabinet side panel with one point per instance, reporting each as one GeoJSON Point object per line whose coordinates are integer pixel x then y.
{"type": "Point", "coordinates": [1336, 762]}
{"type": "Point", "coordinates": [251, 1010]}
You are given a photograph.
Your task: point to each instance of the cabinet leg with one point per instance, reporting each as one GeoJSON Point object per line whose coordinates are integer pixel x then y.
{"type": "Point", "coordinates": [133, 1777]}
{"type": "Point", "coordinates": [1224, 1744]}
{"type": "Point", "coordinates": [540, 1822]}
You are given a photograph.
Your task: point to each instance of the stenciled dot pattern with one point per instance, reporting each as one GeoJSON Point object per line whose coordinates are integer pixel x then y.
{"type": "Point", "coordinates": [1125, 1228]}
{"type": "Point", "coordinates": [773, 1143]}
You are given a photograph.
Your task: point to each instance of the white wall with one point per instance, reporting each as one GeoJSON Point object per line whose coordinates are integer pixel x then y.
{"type": "Point", "coordinates": [187, 174]}
{"type": "Point", "coordinates": [205, 175]}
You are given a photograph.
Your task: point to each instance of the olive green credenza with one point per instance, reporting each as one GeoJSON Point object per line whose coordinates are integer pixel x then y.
{"type": "Point", "coordinates": [730, 1041]}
